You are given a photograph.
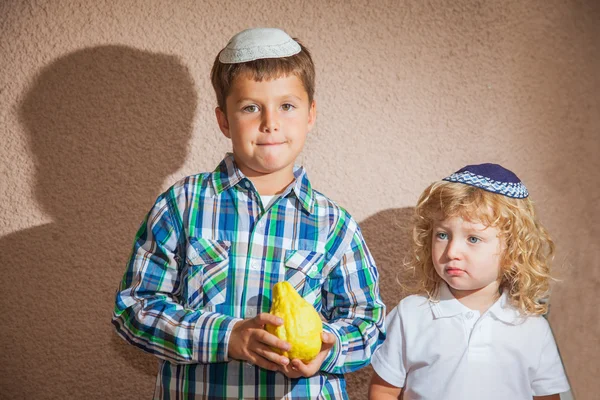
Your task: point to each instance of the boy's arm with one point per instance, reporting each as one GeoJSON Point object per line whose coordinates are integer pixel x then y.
{"type": "Point", "coordinates": [351, 303]}
{"type": "Point", "coordinates": [147, 313]}
{"type": "Point", "coordinates": [379, 389]}
{"type": "Point", "coordinates": [549, 378]}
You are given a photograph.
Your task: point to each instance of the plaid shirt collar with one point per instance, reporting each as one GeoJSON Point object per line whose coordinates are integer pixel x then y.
{"type": "Point", "coordinates": [227, 174]}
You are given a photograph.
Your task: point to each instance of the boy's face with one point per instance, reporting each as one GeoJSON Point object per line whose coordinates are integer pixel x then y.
{"type": "Point", "coordinates": [267, 123]}
{"type": "Point", "coordinates": [467, 255]}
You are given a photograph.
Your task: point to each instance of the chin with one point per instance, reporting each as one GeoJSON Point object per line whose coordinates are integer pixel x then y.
{"type": "Point", "coordinates": [463, 287]}
{"type": "Point", "coordinates": [271, 166]}
{"type": "Point", "coordinates": [268, 169]}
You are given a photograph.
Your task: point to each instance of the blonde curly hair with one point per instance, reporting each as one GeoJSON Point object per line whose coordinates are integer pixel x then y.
{"type": "Point", "coordinates": [525, 266]}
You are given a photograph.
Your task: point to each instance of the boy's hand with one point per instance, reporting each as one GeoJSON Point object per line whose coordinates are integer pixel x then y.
{"type": "Point", "coordinates": [249, 341]}
{"type": "Point", "coordinates": [297, 368]}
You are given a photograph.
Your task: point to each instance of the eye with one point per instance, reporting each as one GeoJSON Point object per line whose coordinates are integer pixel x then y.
{"type": "Point", "coordinates": [287, 107]}
{"type": "Point", "coordinates": [251, 108]}
{"type": "Point", "coordinates": [441, 235]}
{"type": "Point", "coordinates": [473, 239]}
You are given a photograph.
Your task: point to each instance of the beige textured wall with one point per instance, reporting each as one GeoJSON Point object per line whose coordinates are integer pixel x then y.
{"type": "Point", "coordinates": [103, 104]}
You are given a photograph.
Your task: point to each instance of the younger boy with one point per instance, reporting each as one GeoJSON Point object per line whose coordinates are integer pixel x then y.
{"type": "Point", "coordinates": [197, 290]}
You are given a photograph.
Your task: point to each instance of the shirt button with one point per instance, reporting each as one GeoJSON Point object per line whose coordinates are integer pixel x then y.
{"type": "Point", "coordinates": [250, 312]}
{"type": "Point", "coordinates": [469, 315]}
{"type": "Point", "coordinates": [255, 266]}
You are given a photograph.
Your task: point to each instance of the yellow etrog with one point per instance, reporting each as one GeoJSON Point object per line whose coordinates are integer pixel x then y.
{"type": "Point", "coordinates": [302, 324]}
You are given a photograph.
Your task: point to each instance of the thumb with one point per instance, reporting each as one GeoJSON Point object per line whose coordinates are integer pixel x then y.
{"type": "Point", "coordinates": [327, 338]}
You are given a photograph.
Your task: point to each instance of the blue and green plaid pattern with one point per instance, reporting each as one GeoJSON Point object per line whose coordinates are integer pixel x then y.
{"type": "Point", "coordinates": [208, 255]}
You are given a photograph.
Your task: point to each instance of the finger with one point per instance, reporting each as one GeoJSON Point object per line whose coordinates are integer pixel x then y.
{"type": "Point", "coordinates": [266, 318]}
{"type": "Point", "coordinates": [293, 371]}
{"type": "Point", "coordinates": [266, 353]}
{"type": "Point", "coordinates": [306, 370]}
{"type": "Point", "coordinates": [289, 372]}
{"type": "Point", "coordinates": [313, 366]}
{"type": "Point", "coordinates": [264, 363]}
{"type": "Point", "coordinates": [273, 341]}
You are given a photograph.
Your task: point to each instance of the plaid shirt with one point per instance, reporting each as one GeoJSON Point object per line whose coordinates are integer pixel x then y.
{"type": "Point", "coordinates": [208, 255]}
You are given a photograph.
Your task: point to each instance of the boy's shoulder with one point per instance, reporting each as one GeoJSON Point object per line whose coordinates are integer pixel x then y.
{"type": "Point", "coordinates": [416, 302]}
{"type": "Point", "coordinates": [184, 183]}
{"type": "Point", "coordinates": [537, 325]}
{"type": "Point", "coordinates": [412, 315]}
{"type": "Point", "coordinates": [324, 202]}
{"type": "Point", "coordinates": [185, 192]}
{"type": "Point", "coordinates": [191, 184]}
{"type": "Point", "coordinates": [414, 306]}
{"type": "Point", "coordinates": [335, 216]}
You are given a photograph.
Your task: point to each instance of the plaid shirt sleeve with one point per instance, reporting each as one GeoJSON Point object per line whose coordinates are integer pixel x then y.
{"type": "Point", "coordinates": [351, 301]}
{"type": "Point", "coordinates": [147, 312]}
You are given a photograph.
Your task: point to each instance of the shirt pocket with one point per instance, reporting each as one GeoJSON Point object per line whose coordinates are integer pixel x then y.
{"type": "Point", "coordinates": [303, 271]}
{"type": "Point", "coordinates": [207, 268]}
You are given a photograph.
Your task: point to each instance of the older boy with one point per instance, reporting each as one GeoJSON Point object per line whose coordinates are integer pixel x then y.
{"type": "Point", "coordinates": [197, 289]}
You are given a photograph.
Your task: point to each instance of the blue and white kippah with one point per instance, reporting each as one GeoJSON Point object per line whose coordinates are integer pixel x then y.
{"type": "Point", "coordinates": [491, 177]}
{"type": "Point", "coordinates": [256, 43]}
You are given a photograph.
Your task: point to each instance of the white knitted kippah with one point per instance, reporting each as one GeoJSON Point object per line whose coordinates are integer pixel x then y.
{"type": "Point", "coordinates": [256, 43]}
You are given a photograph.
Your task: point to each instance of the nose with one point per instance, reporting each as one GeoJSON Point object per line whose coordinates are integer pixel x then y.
{"type": "Point", "coordinates": [270, 121]}
{"type": "Point", "coordinates": [453, 250]}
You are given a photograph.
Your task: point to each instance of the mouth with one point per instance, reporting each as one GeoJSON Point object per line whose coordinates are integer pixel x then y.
{"type": "Point", "coordinates": [454, 271]}
{"type": "Point", "coordinates": [270, 143]}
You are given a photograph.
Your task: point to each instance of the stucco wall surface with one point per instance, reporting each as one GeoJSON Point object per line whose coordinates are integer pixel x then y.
{"type": "Point", "coordinates": [104, 104]}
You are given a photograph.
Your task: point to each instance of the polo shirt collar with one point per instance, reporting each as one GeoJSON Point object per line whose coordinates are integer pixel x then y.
{"type": "Point", "coordinates": [504, 311]}
{"type": "Point", "coordinates": [448, 306]}
{"type": "Point", "coordinates": [227, 175]}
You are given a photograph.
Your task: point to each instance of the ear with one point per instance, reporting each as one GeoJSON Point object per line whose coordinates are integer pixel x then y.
{"type": "Point", "coordinates": [222, 121]}
{"type": "Point", "coordinates": [312, 115]}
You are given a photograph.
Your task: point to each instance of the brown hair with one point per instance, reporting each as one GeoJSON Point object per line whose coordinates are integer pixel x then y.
{"type": "Point", "coordinates": [525, 268]}
{"type": "Point", "coordinates": [301, 64]}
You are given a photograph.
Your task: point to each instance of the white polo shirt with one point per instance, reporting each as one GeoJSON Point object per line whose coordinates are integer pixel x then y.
{"type": "Point", "coordinates": [444, 350]}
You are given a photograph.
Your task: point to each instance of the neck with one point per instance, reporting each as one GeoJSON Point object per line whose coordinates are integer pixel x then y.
{"type": "Point", "coordinates": [271, 184]}
{"type": "Point", "coordinates": [478, 299]}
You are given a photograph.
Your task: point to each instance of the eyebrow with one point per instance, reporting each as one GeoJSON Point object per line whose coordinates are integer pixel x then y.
{"type": "Point", "coordinates": [441, 224]}
{"type": "Point", "coordinates": [281, 98]}
{"type": "Point", "coordinates": [293, 96]}
{"type": "Point", "coordinates": [244, 100]}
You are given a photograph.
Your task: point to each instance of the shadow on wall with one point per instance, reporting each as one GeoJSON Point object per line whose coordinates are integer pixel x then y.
{"type": "Point", "coordinates": [388, 237]}
{"type": "Point", "coordinates": [105, 126]}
